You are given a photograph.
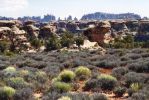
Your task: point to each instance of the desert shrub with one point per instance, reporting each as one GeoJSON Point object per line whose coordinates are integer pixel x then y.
{"type": "Point", "coordinates": [65, 98]}
{"type": "Point", "coordinates": [138, 96]}
{"type": "Point", "coordinates": [138, 67]}
{"type": "Point", "coordinates": [66, 76]}
{"type": "Point", "coordinates": [125, 58]}
{"type": "Point", "coordinates": [130, 92]}
{"type": "Point", "coordinates": [9, 53]}
{"type": "Point", "coordinates": [145, 91]}
{"type": "Point", "coordinates": [23, 73]}
{"type": "Point", "coordinates": [2, 66]}
{"type": "Point", "coordinates": [32, 63]}
{"type": "Point", "coordinates": [4, 45]}
{"type": "Point", "coordinates": [6, 93]}
{"type": "Point", "coordinates": [137, 51]}
{"type": "Point", "coordinates": [79, 62]}
{"type": "Point", "coordinates": [41, 76]}
{"type": "Point", "coordinates": [36, 43]}
{"type": "Point", "coordinates": [83, 72]}
{"type": "Point", "coordinates": [118, 45]}
{"type": "Point", "coordinates": [9, 71]}
{"type": "Point", "coordinates": [52, 95]}
{"type": "Point", "coordinates": [107, 82]}
{"type": "Point", "coordinates": [134, 56]}
{"type": "Point", "coordinates": [90, 85]}
{"type": "Point", "coordinates": [17, 82]}
{"type": "Point", "coordinates": [98, 96]}
{"type": "Point", "coordinates": [145, 55]}
{"type": "Point", "coordinates": [61, 87]}
{"type": "Point", "coordinates": [119, 91]}
{"type": "Point", "coordinates": [24, 94]}
{"type": "Point", "coordinates": [136, 87]}
{"type": "Point", "coordinates": [2, 83]}
{"type": "Point", "coordinates": [79, 96]}
{"type": "Point", "coordinates": [133, 77]}
{"type": "Point", "coordinates": [106, 64]}
{"type": "Point", "coordinates": [119, 72]}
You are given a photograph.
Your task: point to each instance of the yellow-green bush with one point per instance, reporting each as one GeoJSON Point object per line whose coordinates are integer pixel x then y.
{"type": "Point", "coordinates": [66, 76]}
{"type": "Point", "coordinates": [82, 71]}
{"type": "Point", "coordinates": [6, 93]}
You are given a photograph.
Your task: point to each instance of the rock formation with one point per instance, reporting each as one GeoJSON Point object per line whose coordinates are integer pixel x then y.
{"type": "Point", "coordinates": [13, 35]}
{"type": "Point", "coordinates": [100, 33]}
{"type": "Point", "coordinates": [31, 29]}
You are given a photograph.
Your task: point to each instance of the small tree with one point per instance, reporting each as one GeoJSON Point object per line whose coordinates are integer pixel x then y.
{"type": "Point", "coordinates": [67, 40]}
{"type": "Point", "coordinates": [53, 43]}
{"type": "Point", "coordinates": [79, 41]}
{"type": "Point", "coordinates": [36, 43]}
{"type": "Point", "coordinates": [4, 45]}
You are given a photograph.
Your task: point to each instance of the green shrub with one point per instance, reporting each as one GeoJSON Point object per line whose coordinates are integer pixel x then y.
{"type": "Point", "coordinates": [41, 76]}
{"type": "Point", "coordinates": [9, 71]}
{"type": "Point", "coordinates": [119, 91]}
{"type": "Point", "coordinates": [23, 73]}
{"type": "Point", "coordinates": [9, 53]}
{"type": "Point", "coordinates": [67, 39]}
{"type": "Point", "coordinates": [17, 82]}
{"type": "Point", "coordinates": [136, 87]}
{"type": "Point", "coordinates": [65, 98]}
{"type": "Point", "coordinates": [79, 41]}
{"type": "Point", "coordinates": [66, 76]}
{"type": "Point", "coordinates": [61, 87]}
{"type": "Point", "coordinates": [4, 45]}
{"type": "Point", "coordinates": [82, 71]}
{"type": "Point", "coordinates": [107, 82]}
{"type": "Point", "coordinates": [53, 43]}
{"type": "Point", "coordinates": [6, 93]}
{"type": "Point", "coordinates": [36, 43]}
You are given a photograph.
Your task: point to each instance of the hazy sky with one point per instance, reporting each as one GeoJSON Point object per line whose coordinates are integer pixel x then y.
{"type": "Point", "coordinates": [63, 8]}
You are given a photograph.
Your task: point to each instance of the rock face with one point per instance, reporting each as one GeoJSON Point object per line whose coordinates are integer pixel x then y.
{"type": "Point", "coordinates": [100, 33]}
{"type": "Point", "coordinates": [47, 30]}
{"type": "Point", "coordinates": [133, 25]}
{"type": "Point", "coordinates": [31, 29]}
{"type": "Point", "coordinates": [5, 23]}
{"type": "Point", "coordinates": [19, 33]}
{"type": "Point", "coordinates": [10, 32]}
{"type": "Point", "coordinates": [72, 27]}
{"type": "Point", "coordinates": [144, 26]}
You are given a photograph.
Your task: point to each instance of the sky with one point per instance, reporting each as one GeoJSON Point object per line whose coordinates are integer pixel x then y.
{"type": "Point", "coordinates": [76, 8]}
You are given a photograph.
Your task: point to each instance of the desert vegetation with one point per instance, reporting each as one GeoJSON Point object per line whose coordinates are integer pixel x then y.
{"type": "Point", "coordinates": [67, 75]}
